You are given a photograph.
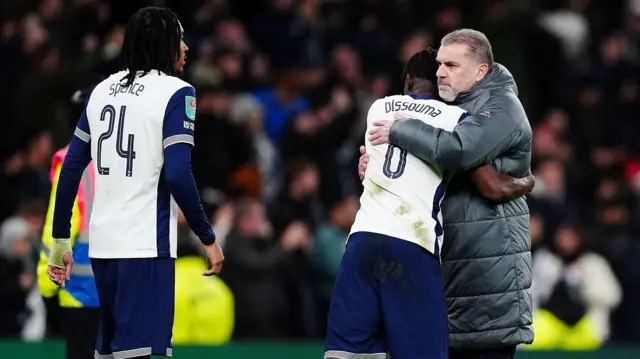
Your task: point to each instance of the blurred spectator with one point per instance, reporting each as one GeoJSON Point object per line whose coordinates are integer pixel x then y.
{"type": "Point", "coordinates": [217, 135]}
{"type": "Point", "coordinates": [283, 89]}
{"type": "Point", "coordinates": [298, 200]}
{"type": "Point", "coordinates": [328, 248]}
{"type": "Point", "coordinates": [576, 292]}
{"type": "Point", "coordinates": [255, 264]}
{"type": "Point", "coordinates": [570, 26]}
{"type": "Point", "coordinates": [16, 275]}
{"type": "Point", "coordinates": [550, 140]}
{"type": "Point", "coordinates": [541, 254]}
{"type": "Point", "coordinates": [281, 103]}
{"type": "Point", "coordinates": [11, 191]}
{"type": "Point", "coordinates": [330, 240]}
{"type": "Point", "coordinates": [246, 111]}
{"type": "Point", "coordinates": [25, 176]}
{"type": "Point", "coordinates": [32, 214]}
{"type": "Point", "coordinates": [39, 153]}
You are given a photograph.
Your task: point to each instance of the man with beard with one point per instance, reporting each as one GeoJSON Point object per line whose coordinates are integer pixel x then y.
{"type": "Point", "coordinates": [389, 295]}
{"type": "Point", "coordinates": [486, 258]}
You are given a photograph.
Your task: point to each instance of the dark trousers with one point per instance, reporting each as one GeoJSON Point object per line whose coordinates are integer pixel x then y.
{"type": "Point", "coordinates": [80, 331]}
{"type": "Point", "coordinates": [498, 353]}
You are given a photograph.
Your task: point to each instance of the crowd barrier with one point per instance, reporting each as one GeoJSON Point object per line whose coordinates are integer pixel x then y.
{"type": "Point", "coordinates": [55, 350]}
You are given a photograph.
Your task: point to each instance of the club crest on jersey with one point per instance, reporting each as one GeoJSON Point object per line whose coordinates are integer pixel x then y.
{"type": "Point", "coordinates": [190, 107]}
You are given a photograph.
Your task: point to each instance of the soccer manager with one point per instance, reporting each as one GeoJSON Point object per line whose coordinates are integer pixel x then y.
{"type": "Point", "coordinates": [486, 253]}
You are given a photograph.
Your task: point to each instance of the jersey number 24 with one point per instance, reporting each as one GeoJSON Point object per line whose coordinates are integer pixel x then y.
{"type": "Point", "coordinates": [109, 114]}
{"type": "Point", "coordinates": [402, 163]}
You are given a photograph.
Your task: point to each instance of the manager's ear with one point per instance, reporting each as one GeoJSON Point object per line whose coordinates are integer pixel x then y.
{"type": "Point", "coordinates": [481, 71]}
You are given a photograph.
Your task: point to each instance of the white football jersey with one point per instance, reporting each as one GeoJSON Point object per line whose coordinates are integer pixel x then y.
{"type": "Point", "coordinates": [402, 194]}
{"type": "Point", "coordinates": [133, 214]}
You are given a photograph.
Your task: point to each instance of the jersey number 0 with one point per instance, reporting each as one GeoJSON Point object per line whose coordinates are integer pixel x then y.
{"type": "Point", "coordinates": [402, 163]}
{"type": "Point", "coordinates": [109, 114]}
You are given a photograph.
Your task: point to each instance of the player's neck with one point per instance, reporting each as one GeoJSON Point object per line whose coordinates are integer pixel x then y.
{"type": "Point", "coordinates": [421, 89]}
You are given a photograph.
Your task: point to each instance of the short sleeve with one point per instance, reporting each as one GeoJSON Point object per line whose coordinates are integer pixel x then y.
{"type": "Point", "coordinates": [179, 118]}
{"type": "Point", "coordinates": [82, 130]}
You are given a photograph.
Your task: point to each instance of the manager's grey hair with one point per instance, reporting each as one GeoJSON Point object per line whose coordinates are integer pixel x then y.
{"type": "Point", "coordinates": [478, 45]}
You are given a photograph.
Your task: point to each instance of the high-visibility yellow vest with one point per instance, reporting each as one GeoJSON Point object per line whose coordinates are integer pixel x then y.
{"type": "Point", "coordinates": [80, 291]}
{"type": "Point", "coordinates": [554, 334]}
{"type": "Point", "coordinates": [204, 312]}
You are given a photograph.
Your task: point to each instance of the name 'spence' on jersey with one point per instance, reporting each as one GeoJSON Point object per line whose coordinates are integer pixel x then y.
{"type": "Point", "coordinates": [134, 215]}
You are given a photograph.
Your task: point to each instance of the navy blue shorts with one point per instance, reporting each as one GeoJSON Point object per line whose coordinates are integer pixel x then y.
{"type": "Point", "coordinates": [137, 298]}
{"type": "Point", "coordinates": [388, 298]}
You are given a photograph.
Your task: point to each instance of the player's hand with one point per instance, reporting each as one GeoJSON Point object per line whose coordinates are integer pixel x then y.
{"type": "Point", "coordinates": [60, 275]}
{"type": "Point", "coordinates": [380, 133]}
{"type": "Point", "coordinates": [362, 164]}
{"type": "Point", "coordinates": [215, 259]}
{"type": "Point", "coordinates": [60, 261]}
{"type": "Point", "coordinates": [530, 180]}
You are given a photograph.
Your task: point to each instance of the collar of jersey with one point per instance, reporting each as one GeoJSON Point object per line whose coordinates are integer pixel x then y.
{"type": "Point", "coordinates": [418, 97]}
{"type": "Point", "coordinates": [138, 73]}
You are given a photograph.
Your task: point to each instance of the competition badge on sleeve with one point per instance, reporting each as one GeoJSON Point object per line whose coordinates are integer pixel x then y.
{"type": "Point", "coordinates": [190, 107]}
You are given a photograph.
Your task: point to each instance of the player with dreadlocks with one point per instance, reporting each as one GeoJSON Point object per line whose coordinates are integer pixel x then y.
{"type": "Point", "coordinates": [137, 126]}
{"type": "Point", "coordinates": [389, 296]}
{"type": "Point", "coordinates": [153, 41]}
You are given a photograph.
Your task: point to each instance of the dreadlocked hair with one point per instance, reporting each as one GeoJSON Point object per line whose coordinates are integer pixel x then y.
{"type": "Point", "coordinates": [422, 65]}
{"type": "Point", "coordinates": [151, 42]}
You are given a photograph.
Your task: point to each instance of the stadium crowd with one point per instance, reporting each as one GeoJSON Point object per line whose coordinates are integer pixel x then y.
{"type": "Point", "coordinates": [283, 90]}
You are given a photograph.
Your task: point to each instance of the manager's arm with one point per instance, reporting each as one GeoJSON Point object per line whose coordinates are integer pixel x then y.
{"type": "Point", "coordinates": [476, 140]}
{"type": "Point", "coordinates": [178, 131]}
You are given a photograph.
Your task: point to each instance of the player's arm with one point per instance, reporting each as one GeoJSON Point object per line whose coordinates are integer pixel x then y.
{"type": "Point", "coordinates": [178, 130]}
{"type": "Point", "coordinates": [475, 141]}
{"type": "Point", "coordinates": [47, 288]}
{"type": "Point", "coordinates": [499, 187]}
{"type": "Point", "coordinates": [75, 162]}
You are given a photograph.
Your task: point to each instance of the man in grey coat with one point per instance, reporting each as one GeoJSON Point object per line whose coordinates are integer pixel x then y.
{"type": "Point", "coordinates": [486, 257]}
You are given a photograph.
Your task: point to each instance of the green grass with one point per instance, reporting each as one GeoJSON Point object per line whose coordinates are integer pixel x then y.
{"type": "Point", "coordinates": [55, 350]}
